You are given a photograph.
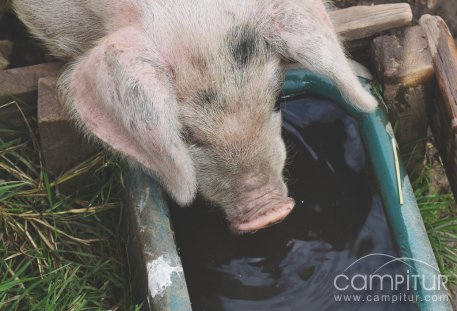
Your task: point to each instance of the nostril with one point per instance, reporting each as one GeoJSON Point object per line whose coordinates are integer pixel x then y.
{"type": "Point", "coordinates": [271, 217]}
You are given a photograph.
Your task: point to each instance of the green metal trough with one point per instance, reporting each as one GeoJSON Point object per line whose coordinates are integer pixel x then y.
{"type": "Point", "coordinates": [153, 248]}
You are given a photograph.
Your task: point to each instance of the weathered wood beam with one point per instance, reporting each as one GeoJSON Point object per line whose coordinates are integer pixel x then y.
{"type": "Point", "coordinates": [359, 22]}
{"type": "Point", "coordinates": [443, 51]}
{"type": "Point", "coordinates": [404, 67]}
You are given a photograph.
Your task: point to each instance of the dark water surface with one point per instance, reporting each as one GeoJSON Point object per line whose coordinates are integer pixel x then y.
{"type": "Point", "coordinates": [338, 218]}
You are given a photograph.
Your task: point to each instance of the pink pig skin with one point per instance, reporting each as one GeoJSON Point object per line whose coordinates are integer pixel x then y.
{"type": "Point", "coordinates": [186, 90]}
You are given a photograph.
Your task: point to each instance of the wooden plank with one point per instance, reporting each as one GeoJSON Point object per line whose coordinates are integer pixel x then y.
{"type": "Point", "coordinates": [443, 50]}
{"type": "Point", "coordinates": [359, 22]}
{"type": "Point", "coordinates": [404, 67]}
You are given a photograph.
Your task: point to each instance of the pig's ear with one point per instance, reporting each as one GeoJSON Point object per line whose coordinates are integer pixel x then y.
{"type": "Point", "coordinates": [303, 32]}
{"type": "Point", "coordinates": [120, 92]}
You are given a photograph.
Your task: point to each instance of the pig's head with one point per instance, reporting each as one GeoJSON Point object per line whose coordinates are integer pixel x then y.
{"type": "Point", "coordinates": [234, 134]}
{"type": "Point", "coordinates": [196, 120]}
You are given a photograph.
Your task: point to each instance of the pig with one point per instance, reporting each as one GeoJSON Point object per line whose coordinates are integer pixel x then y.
{"type": "Point", "coordinates": [186, 90]}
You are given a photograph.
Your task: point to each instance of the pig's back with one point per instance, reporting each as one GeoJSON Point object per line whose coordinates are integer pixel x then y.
{"type": "Point", "coordinates": [203, 22]}
{"type": "Point", "coordinates": [71, 27]}
{"type": "Point", "coordinates": [67, 27]}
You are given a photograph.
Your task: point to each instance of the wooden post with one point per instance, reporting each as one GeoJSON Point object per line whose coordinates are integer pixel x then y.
{"type": "Point", "coordinates": [405, 70]}
{"type": "Point", "coordinates": [443, 51]}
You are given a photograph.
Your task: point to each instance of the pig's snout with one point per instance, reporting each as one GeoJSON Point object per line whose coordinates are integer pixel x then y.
{"type": "Point", "coordinates": [265, 212]}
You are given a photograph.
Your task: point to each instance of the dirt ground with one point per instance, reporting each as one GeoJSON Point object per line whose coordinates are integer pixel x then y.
{"type": "Point", "coordinates": [447, 9]}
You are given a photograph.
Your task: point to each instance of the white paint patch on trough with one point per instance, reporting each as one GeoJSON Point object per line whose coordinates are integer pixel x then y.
{"type": "Point", "coordinates": [142, 202]}
{"type": "Point", "coordinates": [159, 272]}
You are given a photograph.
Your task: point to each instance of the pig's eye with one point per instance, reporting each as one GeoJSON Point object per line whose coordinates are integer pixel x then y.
{"type": "Point", "coordinates": [277, 105]}
{"type": "Point", "coordinates": [190, 138]}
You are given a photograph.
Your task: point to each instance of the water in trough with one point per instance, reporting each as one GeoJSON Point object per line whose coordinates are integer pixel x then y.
{"type": "Point", "coordinates": [308, 261]}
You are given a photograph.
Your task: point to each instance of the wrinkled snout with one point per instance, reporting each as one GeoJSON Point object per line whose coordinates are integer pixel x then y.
{"type": "Point", "coordinates": [261, 212]}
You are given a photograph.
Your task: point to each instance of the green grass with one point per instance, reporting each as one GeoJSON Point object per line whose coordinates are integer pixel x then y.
{"type": "Point", "coordinates": [63, 252]}
{"type": "Point", "coordinates": [59, 252]}
{"type": "Point", "coordinates": [436, 203]}
{"type": "Point", "coordinates": [437, 207]}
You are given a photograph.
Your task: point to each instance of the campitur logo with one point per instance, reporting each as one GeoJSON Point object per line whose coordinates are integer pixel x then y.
{"type": "Point", "coordinates": [381, 286]}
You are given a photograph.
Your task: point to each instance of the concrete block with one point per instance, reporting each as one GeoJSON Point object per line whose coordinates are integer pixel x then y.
{"type": "Point", "coordinates": [62, 145]}
{"type": "Point", "coordinates": [20, 85]}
